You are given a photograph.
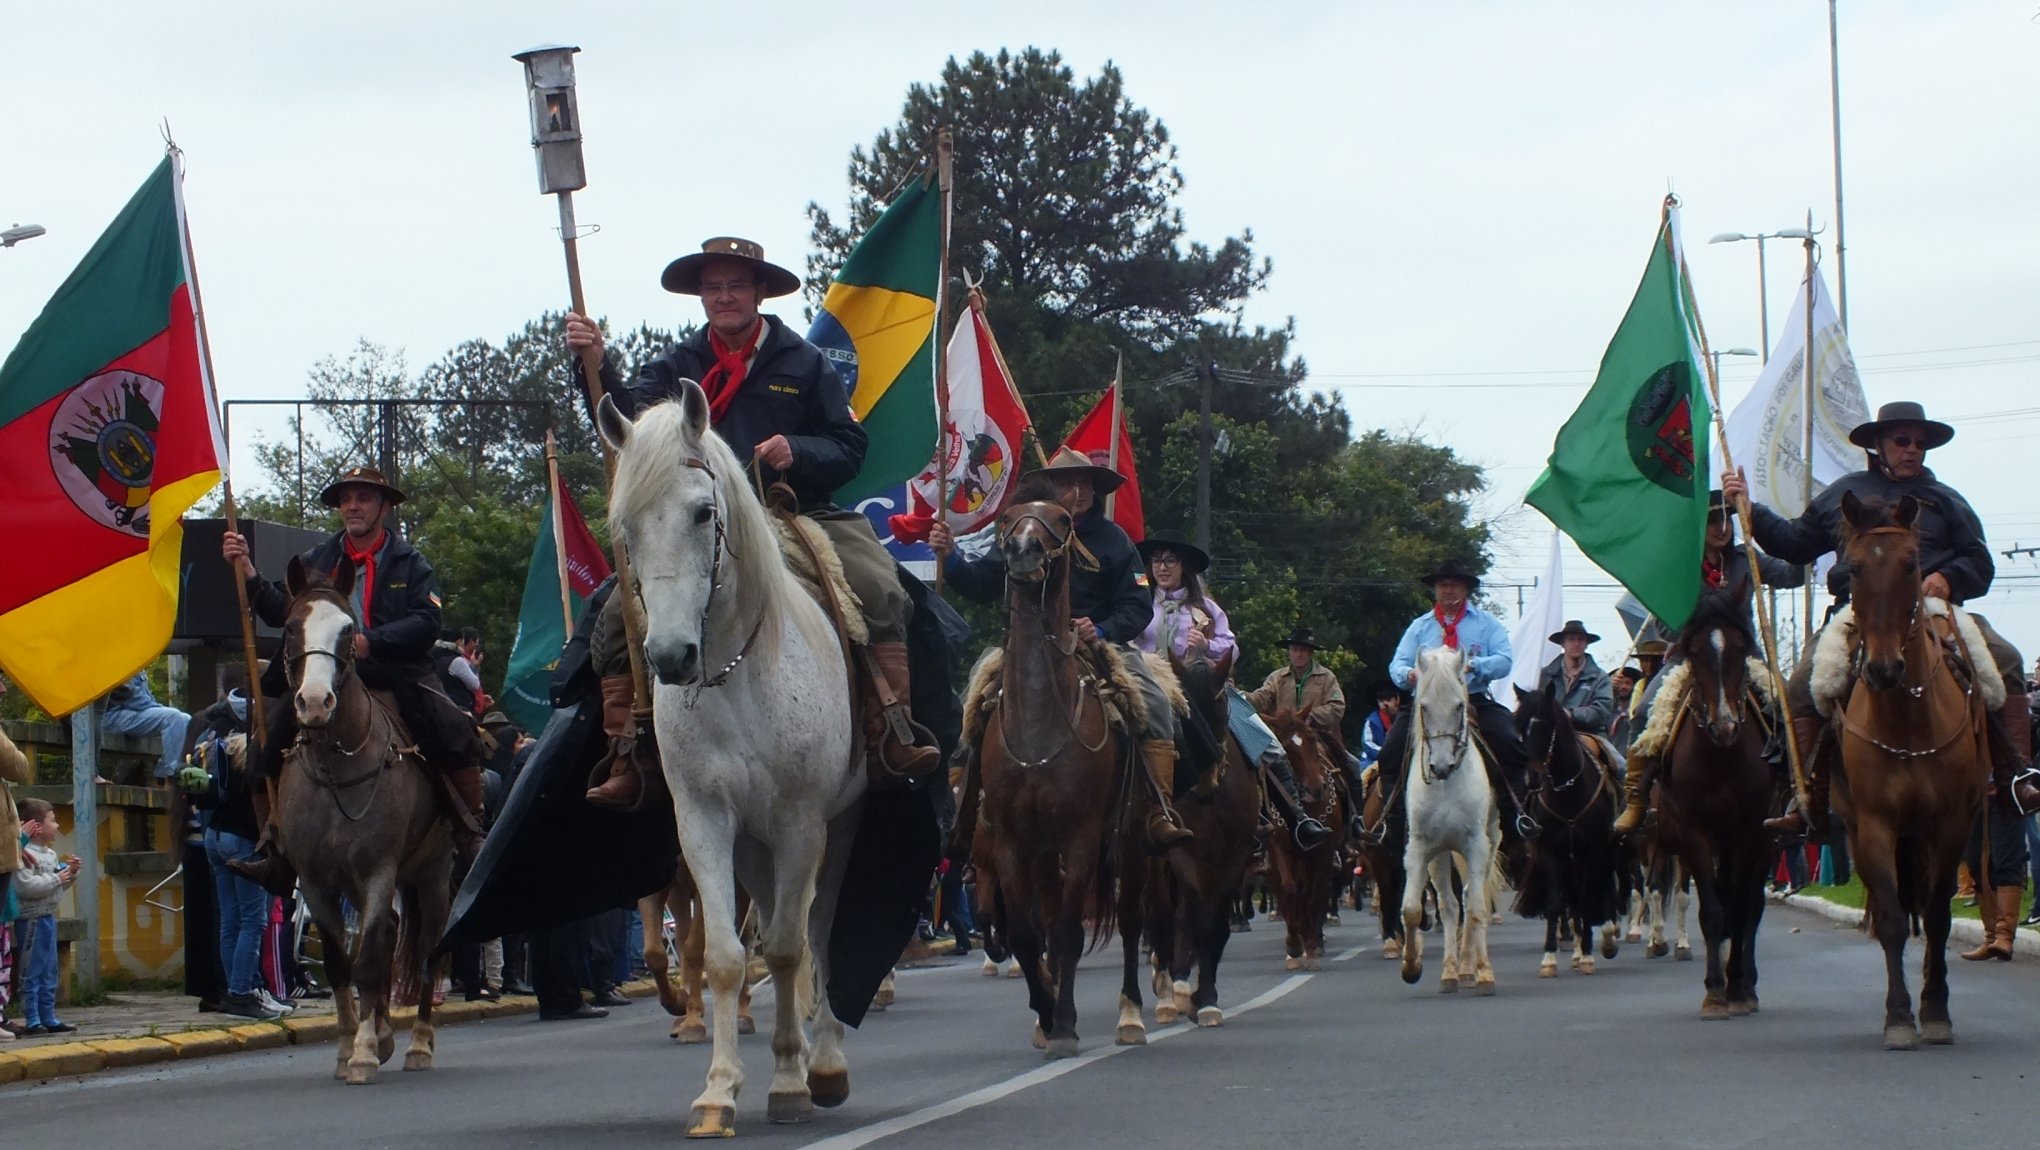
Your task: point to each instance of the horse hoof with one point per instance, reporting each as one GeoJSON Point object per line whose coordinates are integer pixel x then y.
{"type": "Point", "coordinates": [1210, 1016]}
{"type": "Point", "coordinates": [1166, 1014]}
{"type": "Point", "coordinates": [829, 1088]}
{"type": "Point", "coordinates": [363, 1073]}
{"type": "Point", "coordinates": [1937, 1033]}
{"type": "Point", "coordinates": [1013, 969]}
{"type": "Point", "coordinates": [1412, 974]}
{"type": "Point", "coordinates": [1738, 1008]}
{"type": "Point", "coordinates": [1484, 987]}
{"type": "Point", "coordinates": [385, 1047]}
{"type": "Point", "coordinates": [1548, 970]}
{"type": "Point", "coordinates": [1656, 950]}
{"type": "Point", "coordinates": [1632, 936]}
{"type": "Point", "coordinates": [746, 1024]}
{"type": "Point", "coordinates": [1333, 920]}
{"type": "Point", "coordinates": [712, 1122]}
{"type": "Point", "coordinates": [1391, 948]}
{"type": "Point", "coordinates": [1448, 986]}
{"type": "Point", "coordinates": [990, 969]}
{"type": "Point", "coordinates": [1061, 1048]}
{"type": "Point", "coordinates": [1714, 1010]}
{"type": "Point", "coordinates": [689, 1033]}
{"type": "Point", "coordinates": [1130, 1035]}
{"type": "Point", "coordinates": [1901, 1038]}
{"type": "Point", "coordinates": [1584, 968]}
{"type": "Point", "coordinates": [1609, 949]}
{"type": "Point", "coordinates": [789, 1108]}
{"type": "Point", "coordinates": [1040, 1038]}
{"type": "Point", "coordinates": [1683, 954]}
{"type": "Point", "coordinates": [417, 1060]}
{"type": "Point", "coordinates": [884, 998]}
{"type": "Point", "coordinates": [340, 1070]}
{"type": "Point", "coordinates": [1292, 964]}
{"type": "Point", "coordinates": [1310, 962]}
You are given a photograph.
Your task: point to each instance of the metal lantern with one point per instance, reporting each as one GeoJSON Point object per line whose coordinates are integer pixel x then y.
{"type": "Point", "coordinates": [555, 117]}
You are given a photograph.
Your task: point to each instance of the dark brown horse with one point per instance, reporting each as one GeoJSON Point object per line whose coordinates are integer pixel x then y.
{"type": "Point", "coordinates": [1191, 890]}
{"type": "Point", "coordinates": [1057, 780]}
{"type": "Point", "coordinates": [1915, 760]}
{"type": "Point", "coordinates": [1307, 881]}
{"type": "Point", "coordinates": [358, 815]}
{"type": "Point", "coordinates": [1383, 863]}
{"type": "Point", "coordinates": [1715, 791]}
{"type": "Point", "coordinates": [1574, 874]}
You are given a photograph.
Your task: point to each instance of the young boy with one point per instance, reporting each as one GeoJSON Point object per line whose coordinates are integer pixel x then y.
{"type": "Point", "coordinates": [41, 880]}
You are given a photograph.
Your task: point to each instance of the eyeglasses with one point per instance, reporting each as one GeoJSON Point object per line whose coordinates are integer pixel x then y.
{"type": "Point", "coordinates": [1167, 561]}
{"type": "Point", "coordinates": [728, 287]}
{"type": "Point", "coordinates": [1908, 441]}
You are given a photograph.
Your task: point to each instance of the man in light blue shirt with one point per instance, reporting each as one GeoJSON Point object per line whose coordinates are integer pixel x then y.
{"type": "Point", "coordinates": [1453, 621]}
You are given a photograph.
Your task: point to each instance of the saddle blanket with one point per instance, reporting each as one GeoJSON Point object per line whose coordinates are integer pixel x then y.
{"type": "Point", "coordinates": [1834, 656]}
{"type": "Point", "coordinates": [799, 561]}
{"type": "Point", "coordinates": [1664, 714]}
{"type": "Point", "coordinates": [1125, 703]}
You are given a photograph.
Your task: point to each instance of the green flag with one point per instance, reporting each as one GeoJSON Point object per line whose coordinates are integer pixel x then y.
{"type": "Point", "coordinates": [542, 623]}
{"type": "Point", "coordinates": [1624, 476]}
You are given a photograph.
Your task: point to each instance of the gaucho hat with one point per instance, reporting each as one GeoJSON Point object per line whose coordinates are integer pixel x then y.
{"type": "Point", "coordinates": [1865, 435]}
{"type": "Point", "coordinates": [1574, 627]}
{"type": "Point", "coordinates": [683, 276]}
{"type": "Point", "coordinates": [1300, 636]}
{"type": "Point", "coordinates": [1452, 569]}
{"type": "Point", "coordinates": [1068, 462]}
{"type": "Point", "coordinates": [360, 477]}
{"type": "Point", "coordinates": [1195, 561]}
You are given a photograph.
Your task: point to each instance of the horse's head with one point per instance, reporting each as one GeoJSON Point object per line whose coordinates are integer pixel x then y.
{"type": "Point", "coordinates": [1204, 684]}
{"type": "Point", "coordinates": [1300, 741]}
{"type": "Point", "coordinates": [678, 508]}
{"type": "Point", "coordinates": [1542, 723]}
{"type": "Point", "coordinates": [1443, 709]}
{"type": "Point", "coordinates": [1033, 536]}
{"type": "Point", "coordinates": [1716, 643]}
{"type": "Point", "coordinates": [1883, 552]}
{"type": "Point", "coordinates": [318, 640]}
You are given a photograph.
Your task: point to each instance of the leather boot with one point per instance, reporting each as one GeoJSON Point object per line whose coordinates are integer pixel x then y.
{"type": "Point", "coordinates": [1307, 831]}
{"type": "Point", "coordinates": [267, 866]}
{"type": "Point", "coordinates": [466, 820]}
{"type": "Point", "coordinates": [2008, 920]}
{"type": "Point", "coordinates": [1810, 733]}
{"type": "Point", "coordinates": [1636, 793]}
{"type": "Point", "coordinates": [2011, 762]}
{"type": "Point", "coordinates": [1164, 831]}
{"type": "Point", "coordinates": [622, 785]}
{"type": "Point", "coordinates": [1996, 944]}
{"type": "Point", "coordinates": [897, 748]}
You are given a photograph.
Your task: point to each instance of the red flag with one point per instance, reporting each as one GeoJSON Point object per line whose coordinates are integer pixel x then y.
{"type": "Point", "coordinates": [980, 449]}
{"type": "Point", "coordinates": [1093, 437]}
{"type": "Point", "coordinates": [586, 566]}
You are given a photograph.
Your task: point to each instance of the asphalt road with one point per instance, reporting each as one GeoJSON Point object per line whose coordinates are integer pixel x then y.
{"type": "Point", "coordinates": [1343, 1057]}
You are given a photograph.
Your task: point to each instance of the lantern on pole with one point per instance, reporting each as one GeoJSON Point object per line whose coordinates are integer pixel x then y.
{"type": "Point", "coordinates": [555, 117]}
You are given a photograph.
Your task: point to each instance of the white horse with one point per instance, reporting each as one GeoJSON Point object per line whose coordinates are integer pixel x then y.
{"type": "Point", "coordinates": [1452, 817]}
{"type": "Point", "coordinates": [752, 710]}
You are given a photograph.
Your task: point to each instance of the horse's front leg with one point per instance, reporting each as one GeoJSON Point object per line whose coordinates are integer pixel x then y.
{"type": "Point", "coordinates": [1066, 949]}
{"type": "Point", "coordinates": [1449, 910]}
{"type": "Point", "coordinates": [1937, 1026]}
{"type": "Point", "coordinates": [1547, 967]}
{"type": "Point", "coordinates": [828, 1074]}
{"type": "Point", "coordinates": [1713, 931]}
{"type": "Point", "coordinates": [326, 912]}
{"type": "Point", "coordinates": [706, 836]}
{"type": "Point", "coordinates": [375, 1040]}
{"type": "Point", "coordinates": [426, 905]}
{"type": "Point", "coordinates": [1415, 875]}
{"type": "Point", "coordinates": [795, 863]}
{"type": "Point", "coordinates": [1875, 850]}
{"type": "Point", "coordinates": [1479, 913]}
{"type": "Point", "coordinates": [1131, 1030]}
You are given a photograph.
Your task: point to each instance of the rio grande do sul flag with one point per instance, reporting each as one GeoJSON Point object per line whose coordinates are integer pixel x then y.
{"type": "Point", "coordinates": [981, 452]}
{"type": "Point", "coordinates": [1627, 476]}
{"type": "Point", "coordinates": [108, 434]}
{"type": "Point", "coordinates": [877, 328]}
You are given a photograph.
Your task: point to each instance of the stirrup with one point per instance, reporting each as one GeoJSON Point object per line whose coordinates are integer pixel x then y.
{"type": "Point", "coordinates": [2030, 777]}
{"type": "Point", "coordinates": [1310, 833]}
{"type": "Point", "coordinates": [1527, 828]}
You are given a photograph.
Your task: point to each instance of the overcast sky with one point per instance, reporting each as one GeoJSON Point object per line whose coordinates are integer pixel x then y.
{"type": "Point", "coordinates": [1458, 198]}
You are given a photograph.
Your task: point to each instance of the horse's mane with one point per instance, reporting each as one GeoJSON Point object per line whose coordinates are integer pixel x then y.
{"type": "Point", "coordinates": [1033, 488]}
{"type": "Point", "coordinates": [654, 469]}
{"type": "Point", "coordinates": [1719, 610]}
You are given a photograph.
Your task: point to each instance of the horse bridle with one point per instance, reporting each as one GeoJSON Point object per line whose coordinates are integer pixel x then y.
{"type": "Point", "coordinates": [1860, 655]}
{"type": "Point", "coordinates": [1460, 739]}
{"type": "Point", "coordinates": [719, 547]}
{"type": "Point", "coordinates": [1046, 513]}
{"type": "Point", "coordinates": [343, 665]}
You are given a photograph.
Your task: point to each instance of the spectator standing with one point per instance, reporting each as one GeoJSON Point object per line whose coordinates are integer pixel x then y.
{"type": "Point", "coordinates": [222, 787]}
{"type": "Point", "coordinates": [13, 772]}
{"type": "Point", "coordinates": [40, 882]}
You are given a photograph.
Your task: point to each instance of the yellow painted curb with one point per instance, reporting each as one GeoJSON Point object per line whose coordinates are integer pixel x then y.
{"type": "Point", "coordinates": [60, 1060]}
{"type": "Point", "coordinates": [459, 1012]}
{"type": "Point", "coordinates": [260, 1036]}
{"type": "Point", "coordinates": [133, 1051]}
{"type": "Point", "coordinates": [10, 1068]}
{"type": "Point", "coordinates": [201, 1043]}
{"type": "Point", "coordinates": [308, 1031]}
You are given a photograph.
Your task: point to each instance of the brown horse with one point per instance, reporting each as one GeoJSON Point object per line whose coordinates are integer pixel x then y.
{"type": "Point", "coordinates": [1191, 890]}
{"type": "Point", "coordinates": [1383, 863]}
{"type": "Point", "coordinates": [1307, 881]}
{"type": "Point", "coordinates": [685, 1002]}
{"type": "Point", "coordinates": [358, 815]}
{"type": "Point", "coordinates": [1057, 780]}
{"type": "Point", "coordinates": [1574, 876]}
{"type": "Point", "coordinates": [1716, 790]}
{"type": "Point", "coordinates": [1915, 760]}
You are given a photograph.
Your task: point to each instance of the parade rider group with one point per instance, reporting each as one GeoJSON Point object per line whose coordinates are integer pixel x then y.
{"type": "Point", "coordinates": [775, 398]}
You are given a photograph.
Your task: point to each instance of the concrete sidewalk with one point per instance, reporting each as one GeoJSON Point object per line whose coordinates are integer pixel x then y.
{"type": "Point", "coordinates": [136, 1029]}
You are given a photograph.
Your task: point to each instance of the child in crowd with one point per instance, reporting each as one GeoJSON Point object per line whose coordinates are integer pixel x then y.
{"type": "Point", "coordinates": [41, 880]}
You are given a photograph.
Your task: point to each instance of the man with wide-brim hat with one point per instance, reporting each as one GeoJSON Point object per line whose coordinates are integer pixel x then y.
{"type": "Point", "coordinates": [1577, 682]}
{"type": "Point", "coordinates": [396, 599]}
{"type": "Point", "coordinates": [1302, 684]}
{"type": "Point", "coordinates": [1956, 566]}
{"type": "Point", "coordinates": [1455, 621]}
{"type": "Point", "coordinates": [776, 399]}
{"type": "Point", "coordinates": [1109, 602]}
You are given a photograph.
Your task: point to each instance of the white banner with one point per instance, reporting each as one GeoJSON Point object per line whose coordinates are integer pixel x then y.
{"type": "Point", "coordinates": [1766, 431]}
{"type": "Point", "coordinates": [1544, 614]}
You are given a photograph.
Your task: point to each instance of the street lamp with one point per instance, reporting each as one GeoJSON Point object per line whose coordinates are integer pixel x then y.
{"type": "Point", "coordinates": [20, 232]}
{"type": "Point", "coordinates": [1719, 352]}
{"type": "Point", "coordinates": [1763, 287]}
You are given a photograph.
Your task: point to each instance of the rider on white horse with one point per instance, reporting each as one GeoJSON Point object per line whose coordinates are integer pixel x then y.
{"type": "Point", "coordinates": [772, 395]}
{"type": "Point", "coordinates": [1455, 622]}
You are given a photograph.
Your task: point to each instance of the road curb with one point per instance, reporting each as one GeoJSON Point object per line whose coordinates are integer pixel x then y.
{"type": "Point", "coordinates": [90, 1056]}
{"type": "Point", "coordinates": [2025, 942]}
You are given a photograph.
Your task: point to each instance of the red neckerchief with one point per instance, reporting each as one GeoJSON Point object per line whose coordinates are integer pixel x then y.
{"type": "Point", "coordinates": [366, 561]}
{"type": "Point", "coordinates": [1449, 626]}
{"type": "Point", "coordinates": [1711, 573]}
{"type": "Point", "coordinates": [722, 381]}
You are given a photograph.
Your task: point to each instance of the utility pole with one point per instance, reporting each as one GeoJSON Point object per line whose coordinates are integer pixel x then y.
{"type": "Point", "coordinates": [1207, 375]}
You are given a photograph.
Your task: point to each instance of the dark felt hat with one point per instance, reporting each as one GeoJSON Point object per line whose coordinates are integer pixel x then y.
{"type": "Point", "coordinates": [1574, 627]}
{"type": "Point", "coordinates": [1865, 435]}
{"type": "Point", "coordinates": [360, 477]}
{"type": "Point", "coordinates": [683, 276]}
{"type": "Point", "coordinates": [1195, 561]}
{"type": "Point", "coordinates": [1452, 569]}
{"type": "Point", "coordinates": [1382, 689]}
{"type": "Point", "coordinates": [1300, 636]}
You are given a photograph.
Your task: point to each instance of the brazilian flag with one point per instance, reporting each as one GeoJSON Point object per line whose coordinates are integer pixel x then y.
{"type": "Point", "coordinates": [877, 326]}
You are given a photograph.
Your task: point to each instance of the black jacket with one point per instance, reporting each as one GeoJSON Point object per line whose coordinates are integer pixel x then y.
{"type": "Point", "coordinates": [1114, 596]}
{"type": "Point", "coordinates": [403, 613]}
{"type": "Point", "coordinates": [789, 390]}
{"type": "Point", "coordinates": [1951, 536]}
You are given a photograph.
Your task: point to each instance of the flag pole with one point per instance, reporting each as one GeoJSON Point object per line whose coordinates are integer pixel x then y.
{"type": "Point", "coordinates": [257, 710]}
{"type": "Point", "coordinates": [1806, 419]}
{"type": "Point", "coordinates": [945, 172]}
{"type": "Point", "coordinates": [553, 513]}
{"type": "Point", "coordinates": [1742, 510]}
{"type": "Point", "coordinates": [1118, 413]}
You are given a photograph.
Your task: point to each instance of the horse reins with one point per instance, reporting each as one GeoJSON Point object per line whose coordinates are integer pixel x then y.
{"type": "Point", "coordinates": [1009, 522]}
{"type": "Point", "coordinates": [316, 771]}
{"type": "Point", "coordinates": [1914, 626]}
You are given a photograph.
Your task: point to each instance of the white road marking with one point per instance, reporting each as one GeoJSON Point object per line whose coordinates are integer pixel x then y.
{"type": "Point", "coordinates": [866, 1135]}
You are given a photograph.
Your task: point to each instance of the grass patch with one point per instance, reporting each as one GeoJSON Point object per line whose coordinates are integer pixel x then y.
{"type": "Point", "coordinates": [1851, 894]}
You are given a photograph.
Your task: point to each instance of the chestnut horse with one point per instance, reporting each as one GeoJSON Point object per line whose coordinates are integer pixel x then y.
{"type": "Point", "coordinates": [1191, 890]}
{"type": "Point", "coordinates": [685, 1002]}
{"type": "Point", "coordinates": [1057, 778]}
{"type": "Point", "coordinates": [1716, 790]}
{"type": "Point", "coordinates": [1307, 881]}
{"type": "Point", "coordinates": [1915, 760]}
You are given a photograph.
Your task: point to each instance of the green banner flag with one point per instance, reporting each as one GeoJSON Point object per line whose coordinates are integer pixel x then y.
{"type": "Point", "coordinates": [542, 623]}
{"type": "Point", "coordinates": [1624, 479]}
